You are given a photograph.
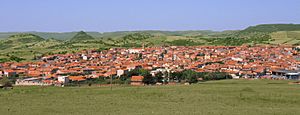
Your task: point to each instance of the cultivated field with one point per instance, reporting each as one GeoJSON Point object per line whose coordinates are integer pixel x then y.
{"type": "Point", "coordinates": [229, 97]}
{"type": "Point", "coordinates": [286, 37]}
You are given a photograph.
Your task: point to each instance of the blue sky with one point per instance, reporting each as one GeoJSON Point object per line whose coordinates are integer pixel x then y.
{"type": "Point", "coordinates": [123, 15]}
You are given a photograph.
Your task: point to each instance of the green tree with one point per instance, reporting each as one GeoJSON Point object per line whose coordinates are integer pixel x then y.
{"type": "Point", "coordinates": [148, 78]}
{"type": "Point", "coordinates": [191, 76]}
{"type": "Point", "coordinates": [176, 76]}
{"type": "Point", "coordinates": [159, 77]}
{"type": "Point", "coordinates": [15, 58]}
{"type": "Point", "coordinates": [5, 82]}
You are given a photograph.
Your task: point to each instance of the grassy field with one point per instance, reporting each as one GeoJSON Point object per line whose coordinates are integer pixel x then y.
{"type": "Point", "coordinates": [229, 97]}
{"type": "Point", "coordinates": [286, 37]}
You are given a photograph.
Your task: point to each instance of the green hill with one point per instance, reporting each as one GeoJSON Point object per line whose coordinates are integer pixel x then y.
{"type": "Point", "coordinates": [273, 28]}
{"type": "Point", "coordinates": [271, 33]}
{"type": "Point", "coordinates": [82, 36]}
{"type": "Point", "coordinates": [48, 35]}
{"type": "Point", "coordinates": [29, 45]}
{"type": "Point", "coordinates": [19, 40]}
{"type": "Point", "coordinates": [25, 38]}
{"type": "Point", "coordinates": [47, 43]}
{"type": "Point", "coordinates": [118, 34]}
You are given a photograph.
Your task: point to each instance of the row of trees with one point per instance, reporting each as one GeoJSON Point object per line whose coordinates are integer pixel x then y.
{"type": "Point", "coordinates": [11, 58]}
{"type": "Point", "coordinates": [191, 76]}
{"type": "Point", "coordinates": [138, 36]}
{"type": "Point", "coordinates": [240, 39]}
{"type": "Point", "coordinates": [186, 76]}
{"type": "Point", "coordinates": [182, 42]}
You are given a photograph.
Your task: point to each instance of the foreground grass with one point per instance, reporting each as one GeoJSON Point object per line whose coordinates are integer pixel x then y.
{"type": "Point", "coordinates": [229, 97]}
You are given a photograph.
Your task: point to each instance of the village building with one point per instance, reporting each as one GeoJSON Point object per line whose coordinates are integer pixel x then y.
{"type": "Point", "coordinates": [9, 73]}
{"type": "Point", "coordinates": [137, 80]}
{"type": "Point", "coordinates": [63, 79]}
{"type": "Point", "coordinates": [286, 74]}
{"type": "Point", "coordinates": [280, 62]}
{"type": "Point", "coordinates": [31, 82]}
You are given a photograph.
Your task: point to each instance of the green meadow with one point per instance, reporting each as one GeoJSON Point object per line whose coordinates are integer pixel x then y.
{"type": "Point", "coordinates": [286, 37]}
{"type": "Point", "coordinates": [226, 97]}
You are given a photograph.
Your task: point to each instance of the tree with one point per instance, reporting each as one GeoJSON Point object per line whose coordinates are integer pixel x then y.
{"type": "Point", "coordinates": [216, 76]}
{"type": "Point", "coordinates": [131, 73]}
{"type": "Point", "coordinates": [3, 60]}
{"type": "Point", "coordinates": [148, 78]}
{"type": "Point", "coordinates": [159, 77]}
{"type": "Point", "coordinates": [177, 76]}
{"type": "Point", "coordinates": [5, 82]}
{"type": "Point", "coordinates": [191, 76]}
{"type": "Point", "coordinates": [17, 59]}
{"type": "Point", "coordinates": [143, 72]}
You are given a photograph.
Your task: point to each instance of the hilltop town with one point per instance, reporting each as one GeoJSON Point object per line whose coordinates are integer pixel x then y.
{"type": "Point", "coordinates": [261, 61]}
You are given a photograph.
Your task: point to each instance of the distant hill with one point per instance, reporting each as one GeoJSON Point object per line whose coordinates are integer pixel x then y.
{"type": "Point", "coordinates": [25, 38]}
{"type": "Point", "coordinates": [118, 34]}
{"type": "Point", "coordinates": [82, 36]}
{"type": "Point", "coordinates": [162, 33]}
{"type": "Point", "coordinates": [47, 43]}
{"type": "Point", "coordinates": [30, 45]}
{"type": "Point", "coordinates": [20, 40]}
{"type": "Point", "coordinates": [268, 28]}
{"type": "Point", "coordinates": [273, 28]}
{"type": "Point", "coordinates": [48, 35]}
{"type": "Point", "coordinates": [277, 33]}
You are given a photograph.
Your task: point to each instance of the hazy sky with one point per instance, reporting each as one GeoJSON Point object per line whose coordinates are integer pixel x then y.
{"type": "Point", "coordinates": [121, 15]}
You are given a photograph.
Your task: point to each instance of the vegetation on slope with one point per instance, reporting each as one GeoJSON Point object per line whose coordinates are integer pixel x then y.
{"type": "Point", "coordinates": [28, 45]}
{"type": "Point", "coordinates": [273, 28]}
{"type": "Point", "coordinates": [20, 40]}
{"type": "Point", "coordinates": [82, 36]}
{"type": "Point", "coordinates": [26, 38]}
{"type": "Point", "coordinates": [235, 41]}
{"type": "Point", "coordinates": [137, 36]}
{"type": "Point", "coordinates": [286, 37]}
{"type": "Point", "coordinates": [183, 42]}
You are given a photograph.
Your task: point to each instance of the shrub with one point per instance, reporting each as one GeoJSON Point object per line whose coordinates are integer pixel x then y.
{"type": "Point", "coordinates": [5, 82]}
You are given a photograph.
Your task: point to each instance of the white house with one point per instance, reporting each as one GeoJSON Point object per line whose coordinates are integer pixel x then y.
{"type": "Point", "coordinates": [84, 57]}
{"type": "Point", "coordinates": [63, 79]}
{"type": "Point", "coordinates": [236, 59]}
{"type": "Point", "coordinates": [31, 82]}
{"type": "Point", "coordinates": [135, 50]}
{"type": "Point", "coordinates": [9, 73]}
{"type": "Point", "coordinates": [120, 72]}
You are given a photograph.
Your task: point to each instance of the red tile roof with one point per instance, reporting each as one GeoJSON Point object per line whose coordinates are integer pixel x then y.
{"type": "Point", "coordinates": [137, 78]}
